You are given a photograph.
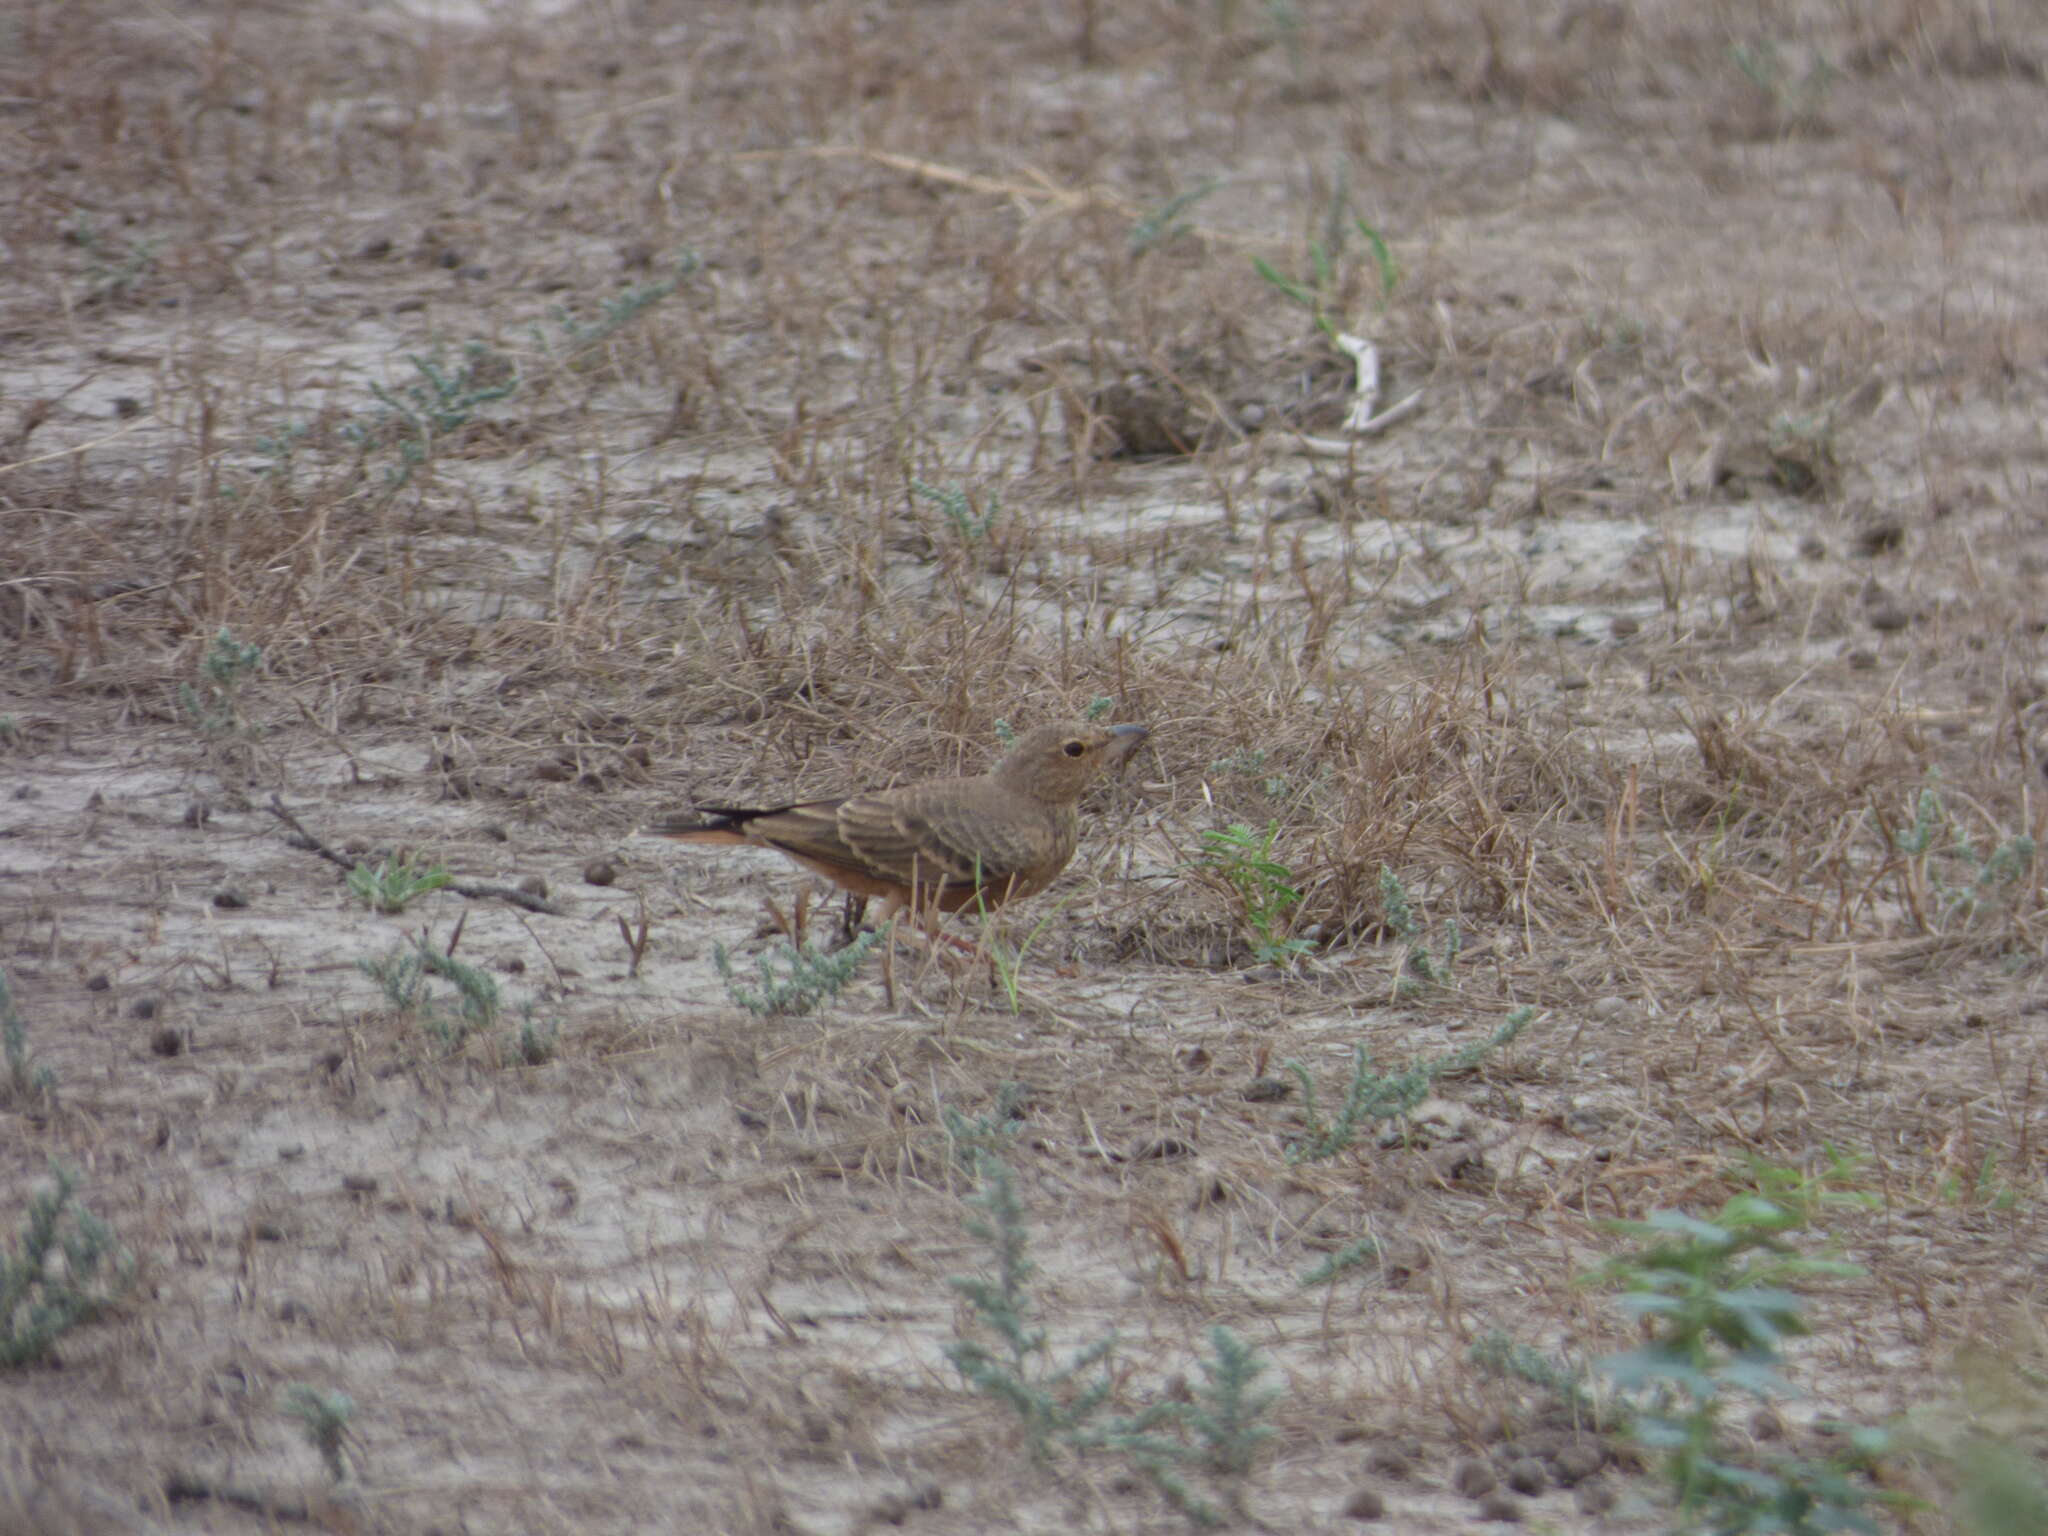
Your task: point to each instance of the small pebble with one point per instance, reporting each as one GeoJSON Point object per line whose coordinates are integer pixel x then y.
{"type": "Point", "coordinates": [1504, 1507]}
{"type": "Point", "coordinates": [1890, 619]}
{"type": "Point", "coordinates": [600, 872]}
{"type": "Point", "coordinates": [1365, 1504]}
{"type": "Point", "coordinates": [1527, 1476]}
{"type": "Point", "coordinates": [1473, 1478]}
{"type": "Point", "coordinates": [1388, 1461]}
{"type": "Point", "coordinates": [1578, 1461]}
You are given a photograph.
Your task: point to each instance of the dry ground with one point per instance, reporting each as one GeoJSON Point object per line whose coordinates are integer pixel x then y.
{"type": "Point", "coordinates": [565, 401]}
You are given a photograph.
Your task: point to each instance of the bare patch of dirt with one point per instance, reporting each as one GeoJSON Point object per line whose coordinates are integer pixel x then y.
{"type": "Point", "coordinates": [479, 429]}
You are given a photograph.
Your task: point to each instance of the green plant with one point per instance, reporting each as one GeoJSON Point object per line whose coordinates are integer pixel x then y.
{"type": "Point", "coordinates": [1008, 961]}
{"type": "Point", "coordinates": [1252, 762]}
{"type": "Point", "coordinates": [1165, 224]}
{"type": "Point", "coordinates": [1500, 1355]}
{"type": "Point", "coordinates": [25, 1080]}
{"type": "Point", "coordinates": [323, 1416]}
{"type": "Point", "coordinates": [1713, 1296]}
{"type": "Point", "coordinates": [1795, 97]}
{"type": "Point", "coordinates": [538, 1039]}
{"type": "Point", "coordinates": [1938, 852]}
{"type": "Point", "coordinates": [1373, 1097]}
{"type": "Point", "coordinates": [214, 708]}
{"type": "Point", "coordinates": [64, 1270]}
{"type": "Point", "coordinates": [958, 511]}
{"type": "Point", "coordinates": [1067, 1405]}
{"type": "Point", "coordinates": [1365, 1253]}
{"type": "Point", "coordinates": [395, 884]}
{"type": "Point", "coordinates": [1263, 886]}
{"type": "Point", "coordinates": [439, 401]}
{"type": "Point", "coordinates": [1418, 969]}
{"type": "Point", "coordinates": [614, 315]}
{"type": "Point", "coordinates": [1319, 289]}
{"type": "Point", "coordinates": [794, 979]}
{"type": "Point", "coordinates": [405, 974]}
{"type": "Point", "coordinates": [115, 272]}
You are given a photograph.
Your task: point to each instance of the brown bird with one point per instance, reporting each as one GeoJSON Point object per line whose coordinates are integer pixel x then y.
{"type": "Point", "coordinates": [940, 844]}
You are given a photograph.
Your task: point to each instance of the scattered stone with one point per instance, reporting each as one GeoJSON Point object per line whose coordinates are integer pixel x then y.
{"type": "Point", "coordinates": [1527, 1476]}
{"type": "Point", "coordinates": [1473, 1478]}
{"type": "Point", "coordinates": [1504, 1507]}
{"type": "Point", "coordinates": [1365, 1504]}
{"type": "Point", "coordinates": [167, 1042]}
{"type": "Point", "coordinates": [1578, 1461]}
{"type": "Point", "coordinates": [1890, 619]}
{"type": "Point", "coordinates": [1389, 1461]}
{"type": "Point", "coordinates": [142, 1008]}
{"type": "Point", "coordinates": [600, 872]}
{"type": "Point", "coordinates": [1594, 1498]}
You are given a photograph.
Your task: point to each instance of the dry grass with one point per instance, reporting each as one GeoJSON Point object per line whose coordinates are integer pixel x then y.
{"type": "Point", "coordinates": [1636, 653]}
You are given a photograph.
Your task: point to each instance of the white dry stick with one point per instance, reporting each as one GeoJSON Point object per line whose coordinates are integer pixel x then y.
{"type": "Point", "coordinates": [1365, 393]}
{"type": "Point", "coordinates": [1360, 421]}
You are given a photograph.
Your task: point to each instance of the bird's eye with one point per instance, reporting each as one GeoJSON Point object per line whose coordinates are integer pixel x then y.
{"type": "Point", "coordinates": [1074, 748]}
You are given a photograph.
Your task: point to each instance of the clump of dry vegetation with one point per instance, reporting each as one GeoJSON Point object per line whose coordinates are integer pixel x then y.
{"type": "Point", "coordinates": [486, 429]}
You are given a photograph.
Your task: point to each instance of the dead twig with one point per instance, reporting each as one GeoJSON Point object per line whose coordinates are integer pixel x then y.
{"type": "Point", "coordinates": [475, 890]}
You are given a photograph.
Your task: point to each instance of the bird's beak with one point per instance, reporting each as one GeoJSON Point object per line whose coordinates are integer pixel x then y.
{"type": "Point", "coordinates": [1123, 741]}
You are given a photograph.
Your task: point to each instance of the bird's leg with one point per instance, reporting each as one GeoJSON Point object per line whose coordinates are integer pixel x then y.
{"type": "Point", "coordinates": [850, 917]}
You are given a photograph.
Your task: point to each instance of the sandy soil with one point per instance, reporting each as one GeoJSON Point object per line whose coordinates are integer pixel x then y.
{"type": "Point", "coordinates": [582, 410]}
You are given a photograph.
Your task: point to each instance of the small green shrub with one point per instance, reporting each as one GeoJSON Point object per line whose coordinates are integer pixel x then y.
{"type": "Point", "coordinates": [793, 979]}
{"type": "Point", "coordinates": [395, 884]}
{"type": "Point", "coordinates": [1373, 1096]}
{"type": "Point", "coordinates": [1264, 888]}
{"type": "Point", "coordinates": [62, 1271]}
{"type": "Point", "coordinates": [323, 1417]}
{"type": "Point", "coordinates": [406, 975]}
